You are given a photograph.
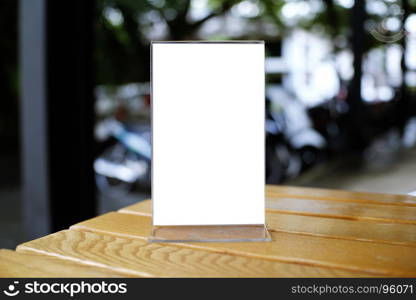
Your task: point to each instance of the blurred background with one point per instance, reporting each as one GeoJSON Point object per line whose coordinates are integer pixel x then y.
{"type": "Point", "coordinates": [75, 97]}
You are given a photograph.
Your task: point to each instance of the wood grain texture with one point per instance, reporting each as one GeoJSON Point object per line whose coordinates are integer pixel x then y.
{"type": "Point", "coordinates": [15, 264]}
{"type": "Point", "coordinates": [370, 209]}
{"type": "Point", "coordinates": [143, 208]}
{"type": "Point", "coordinates": [354, 256]}
{"type": "Point", "coordinates": [273, 191]}
{"type": "Point", "coordinates": [136, 257]}
{"type": "Point", "coordinates": [343, 210]}
{"type": "Point", "coordinates": [315, 233]}
{"type": "Point", "coordinates": [390, 233]}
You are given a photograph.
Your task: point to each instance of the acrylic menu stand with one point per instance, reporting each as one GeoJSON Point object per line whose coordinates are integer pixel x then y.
{"type": "Point", "coordinates": [196, 205]}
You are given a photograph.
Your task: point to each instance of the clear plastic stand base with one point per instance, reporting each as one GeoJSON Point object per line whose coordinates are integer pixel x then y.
{"type": "Point", "coordinates": [212, 233]}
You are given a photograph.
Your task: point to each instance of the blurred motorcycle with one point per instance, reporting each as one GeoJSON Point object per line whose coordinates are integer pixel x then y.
{"type": "Point", "coordinates": [124, 163]}
{"type": "Point", "coordinates": [292, 144]}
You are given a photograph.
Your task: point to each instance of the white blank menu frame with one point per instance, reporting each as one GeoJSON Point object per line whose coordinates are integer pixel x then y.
{"type": "Point", "coordinates": [208, 144]}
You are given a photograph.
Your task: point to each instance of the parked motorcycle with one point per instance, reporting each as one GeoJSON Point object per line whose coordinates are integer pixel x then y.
{"type": "Point", "coordinates": [292, 144]}
{"type": "Point", "coordinates": [126, 162]}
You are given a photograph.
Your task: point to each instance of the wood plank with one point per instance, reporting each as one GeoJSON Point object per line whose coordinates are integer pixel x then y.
{"type": "Point", "coordinates": [374, 258]}
{"type": "Point", "coordinates": [327, 209]}
{"type": "Point", "coordinates": [15, 264]}
{"type": "Point", "coordinates": [273, 191]}
{"type": "Point", "coordinates": [143, 208]}
{"type": "Point", "coordinates": [136, 257]}
{"type": "Point", "coordinates": [388, 233]}
{"type": "Point", "coordinates": [343, 210]}
{"type": "Point", "coordinates": [391, 233]}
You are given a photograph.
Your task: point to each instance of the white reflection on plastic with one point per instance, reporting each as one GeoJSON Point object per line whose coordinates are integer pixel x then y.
{"type": "Point", "coordinates": [208, 133]}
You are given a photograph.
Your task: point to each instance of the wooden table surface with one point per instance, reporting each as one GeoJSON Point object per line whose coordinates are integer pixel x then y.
{"type": "Point", "coordinates": [315, 233]}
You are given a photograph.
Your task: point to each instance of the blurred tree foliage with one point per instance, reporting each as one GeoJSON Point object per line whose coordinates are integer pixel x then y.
{"type": "Point", "coordinates": [123, 54]}
{"type": "Point", "coordinates": [125, 43]}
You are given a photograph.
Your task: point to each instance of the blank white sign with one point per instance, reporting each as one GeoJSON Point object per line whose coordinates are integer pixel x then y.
{"type": "Point", "coordinates": [208, 112]}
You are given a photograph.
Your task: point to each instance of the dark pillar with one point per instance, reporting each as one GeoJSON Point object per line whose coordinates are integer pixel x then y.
{"type": "Point", "coordinates": [403, 105]}
{"type": "Point", "coordinates": [70, 111]}
{"type": "Point", "coordinates": [356, 113]}
{"type": "Point", "coordinates": [33, 116]}
{"type": "Point", "coordinates": [57, 113]}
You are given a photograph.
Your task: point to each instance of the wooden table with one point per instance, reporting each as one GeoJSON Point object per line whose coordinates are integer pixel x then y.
{"type": "Point", "coordinates": [315, 232]}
